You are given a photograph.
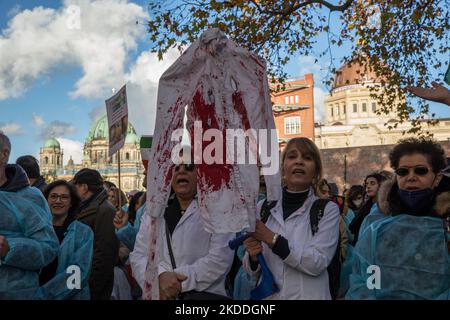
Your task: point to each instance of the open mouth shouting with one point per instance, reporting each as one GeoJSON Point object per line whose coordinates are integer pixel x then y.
{"type": "Point", "coordinates": [182, 182]}
{"type": "Point", "coordinates": [299, 171]}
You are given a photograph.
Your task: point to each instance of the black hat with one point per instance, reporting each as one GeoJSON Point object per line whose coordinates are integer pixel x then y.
{"type": "Point", "coordinates": [88, 176]}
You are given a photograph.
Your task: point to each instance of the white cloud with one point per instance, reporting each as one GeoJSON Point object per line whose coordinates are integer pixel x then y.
{"type": "Point", "coordinates": [38, 120]}
{"type": "Point", "coordinates": [142, 88]}
{"type": "Point", "coordinates": [71, 148]}
{"type": "Point", "coordinates": [13, 11]}
{"type": "Point", "coordinates": [148, 68]}
{"type": "Point", "coordinates": [307, 64]}
{"type": "Point", "coordinates": [37, 40]}
{"type": "Point", "coordinates": [11, 128]}
{"type": "Point", "coordinates": [319, 104]}
{"type": "Point", "coordinates": [97, 113]}
{"type": "Point", "coordinates": [57, 129]}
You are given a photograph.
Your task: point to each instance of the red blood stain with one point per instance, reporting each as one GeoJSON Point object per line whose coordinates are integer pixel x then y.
{"type": "Point", "coordinates": [258, 62]}
{"type": "Point", "coordinates": [243, 65]}
{"type": "Point", "coordinates": [240, 109]}
{"type": "Point", "coordinates": [211, 177]}
{"type": "Point", "coordinates": [168, 179]}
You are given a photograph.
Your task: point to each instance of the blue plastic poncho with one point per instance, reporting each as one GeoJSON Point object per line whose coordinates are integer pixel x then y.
{"type": "Point", "coordinates": [243, 282]}
{"type": "Point", "coordinates": [77, 249]}
{"type": "Point", "coordinates": [348, 218]}
{"type": "Point", "coordinates": [412, 255]}
{"type": "Point", "coordinates": [24, 221]}
{"type": "Point", "coordinates": [374, 215]}
{"type": "Point", "coordinates": [346, 268]}
{"type": "Point", "coordinates": [127, 234]}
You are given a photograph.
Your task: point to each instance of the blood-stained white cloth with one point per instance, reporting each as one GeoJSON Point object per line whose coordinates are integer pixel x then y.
{"type": "Point", "coordinates": [224, 87]}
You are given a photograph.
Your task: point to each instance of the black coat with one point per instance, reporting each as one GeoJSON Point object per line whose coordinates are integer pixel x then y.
{"type": "Point", "coordinates": [99, 215]}
{"type": "Point", "coordinates": [360, 214]}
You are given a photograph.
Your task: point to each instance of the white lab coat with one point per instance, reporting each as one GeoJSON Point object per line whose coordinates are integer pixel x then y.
{"type": "Point", "coordinates": [203, 257]}
{"type": "Point", "coordinates": [303, 274]}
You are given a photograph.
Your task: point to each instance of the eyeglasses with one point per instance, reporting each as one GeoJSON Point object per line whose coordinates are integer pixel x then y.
{"type": "Point", "coordinates": [62, 197]}
{"type": "Point", "coordinates": [187, 167]}
{"type": "Point", "coordinates": [419, 170]}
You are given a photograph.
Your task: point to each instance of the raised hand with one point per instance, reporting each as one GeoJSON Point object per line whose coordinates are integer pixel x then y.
{"type": "Point", "coordinates": [437, 93]}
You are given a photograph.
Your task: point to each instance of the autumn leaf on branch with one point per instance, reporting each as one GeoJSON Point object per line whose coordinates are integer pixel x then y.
{"type": "Point", "coordinates": [405, 41]}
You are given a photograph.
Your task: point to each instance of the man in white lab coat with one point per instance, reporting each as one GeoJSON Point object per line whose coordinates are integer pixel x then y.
{"type": "Point", "coordinates": [200, 260]}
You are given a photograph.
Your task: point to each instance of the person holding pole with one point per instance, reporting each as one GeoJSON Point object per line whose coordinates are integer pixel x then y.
{"type": "Point", "coordinates": [297, 243]}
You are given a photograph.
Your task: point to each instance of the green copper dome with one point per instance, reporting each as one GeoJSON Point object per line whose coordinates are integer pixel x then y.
{"type": "Point", "coordinates": [132, 139]}
{"type": "Point", "coordinates": [52, 143]}
{"type": "Point", "coordinates": [99, 131]}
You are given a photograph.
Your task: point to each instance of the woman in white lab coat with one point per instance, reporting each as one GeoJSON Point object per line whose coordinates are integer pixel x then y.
{"type": "Point", "coordinates": [297, 259]}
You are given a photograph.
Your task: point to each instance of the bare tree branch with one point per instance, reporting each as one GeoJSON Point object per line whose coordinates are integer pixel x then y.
{"type": "Point", "coordinates": [288, 11]}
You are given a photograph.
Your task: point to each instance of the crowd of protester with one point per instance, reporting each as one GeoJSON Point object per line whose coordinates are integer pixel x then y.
{"type": "Point", "coordinates": [316, 243]}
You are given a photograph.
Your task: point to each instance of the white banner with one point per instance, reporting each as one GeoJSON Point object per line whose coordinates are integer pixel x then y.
{"type": "Point", "coordinates": [117, 112]}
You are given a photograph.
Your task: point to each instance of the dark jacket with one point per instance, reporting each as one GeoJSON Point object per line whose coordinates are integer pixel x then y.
{"type": "Point", "coordinates": [357, 221]}
{"type": "Point", "coordinates": [40, 183]}
{"type": "Point", "coordinates": [16, 179]}
{"type": "Point", "coordinates": [99, 213]}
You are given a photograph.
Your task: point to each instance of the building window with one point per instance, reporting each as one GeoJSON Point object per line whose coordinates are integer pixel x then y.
{"type": "Point", "coordinates": [374, 107]}
{"type": "Point", "coordinates": [355, 108]}
{"type": "Point", "coordinates": [46, 160]}
{"type": "Point", "coordinates": [345, 108]}
{"type": "Point", "coordinates": [332, 111]}
{"type": "Point", "coordinates": [286, 100]}
{"type": "Point", "coordinates": [292, 125]}
{"type": "Point", "coordinates": [364, 107]}
{"type": "Point", "coordinates": [127, 156]}
{"type": "Point", "coordinates": [296, 99]}
{"type": "Point", "coordinates": [57, 160]}
{"type": "Point", "coordinates": [291, 99]}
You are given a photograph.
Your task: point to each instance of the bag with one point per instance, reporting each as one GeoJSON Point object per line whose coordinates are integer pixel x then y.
{"type": "Point", "coordinates": [191, 295]}
{"type": "Point", "coordinates": [315, 214]}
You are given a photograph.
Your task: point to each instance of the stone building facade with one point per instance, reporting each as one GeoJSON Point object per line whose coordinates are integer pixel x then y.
{"type": "Point", "coordinates": [95, 156]}
{"type": "Point", "coordinates": [352, 119]}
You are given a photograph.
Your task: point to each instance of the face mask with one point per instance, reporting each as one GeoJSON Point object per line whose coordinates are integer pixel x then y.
{"type": "Point", "coordinates": [357, 203]}
{"type": "Point", "coordinates": [415, 198]}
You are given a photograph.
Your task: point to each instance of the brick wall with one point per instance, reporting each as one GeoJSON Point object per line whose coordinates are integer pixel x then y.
{"type": "Point", "coordinates": [306, 98]}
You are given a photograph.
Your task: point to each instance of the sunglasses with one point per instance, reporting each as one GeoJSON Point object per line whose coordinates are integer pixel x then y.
{"type": "Point", "coordinates": [187, 167]}
{"type": "Point", "coordinates": [419, 170]}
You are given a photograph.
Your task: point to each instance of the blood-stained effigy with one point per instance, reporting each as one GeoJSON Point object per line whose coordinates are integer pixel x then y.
{"type": "Point", "coordinates": [224, 87]}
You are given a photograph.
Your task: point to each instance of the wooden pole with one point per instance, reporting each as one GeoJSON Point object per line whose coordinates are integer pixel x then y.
{"type": "Point", "coordinates": [120, 187]}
